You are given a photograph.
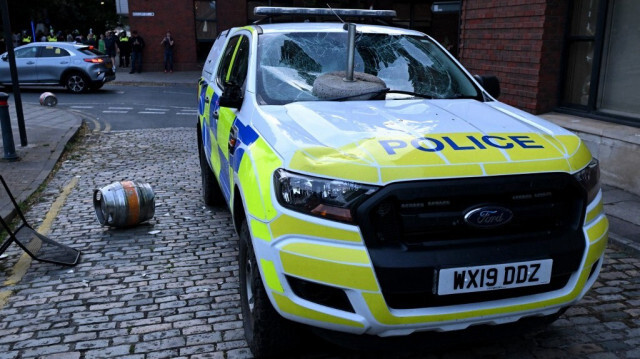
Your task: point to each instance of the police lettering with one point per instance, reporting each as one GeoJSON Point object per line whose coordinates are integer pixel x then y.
{"type": "Point", "coordinates": [431, 144]}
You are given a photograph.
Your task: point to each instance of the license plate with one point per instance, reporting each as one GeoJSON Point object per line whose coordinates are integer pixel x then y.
{"type": "Point", "coordinates": [494, 277]}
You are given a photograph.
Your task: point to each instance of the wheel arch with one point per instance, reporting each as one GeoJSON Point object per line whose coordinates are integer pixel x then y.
{"type": "Point", "coordinates": [238, 209]}
{"type": "Point", "coordinates": [71, 70]}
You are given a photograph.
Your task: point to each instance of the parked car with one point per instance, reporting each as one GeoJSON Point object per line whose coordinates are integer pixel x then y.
{"type": "Point", "coordinates": [75, 66]}
{"type": "Point", "coordinates": [379, 189]}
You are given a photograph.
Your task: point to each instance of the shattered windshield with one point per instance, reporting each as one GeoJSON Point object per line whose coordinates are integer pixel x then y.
{"type": "Point", "coordinates": [289, 63]}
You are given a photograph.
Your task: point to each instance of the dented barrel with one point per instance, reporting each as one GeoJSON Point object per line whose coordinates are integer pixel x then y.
{"type": "Point", "coordinates": [124, 204]}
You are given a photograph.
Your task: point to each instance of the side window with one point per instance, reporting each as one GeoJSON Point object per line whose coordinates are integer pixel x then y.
{"type": "Point", "coordinates": [235, 61]}
{"type": "Point", "coordinates": [26, 52]}
{"type": "Point", "coordinates": [51, 51]}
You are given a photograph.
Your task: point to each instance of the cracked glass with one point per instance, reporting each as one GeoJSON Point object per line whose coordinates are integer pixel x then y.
{"type": "Point", "coordinates": [289, 63]}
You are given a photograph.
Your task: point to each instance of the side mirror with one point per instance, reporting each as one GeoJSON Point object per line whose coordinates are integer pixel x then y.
{"type": "Point", "coordinates": [231, 96]}
{"type": "Point", "coordinates": [490, 83]}
{"type": "Point", "coordinates": [4, 57]}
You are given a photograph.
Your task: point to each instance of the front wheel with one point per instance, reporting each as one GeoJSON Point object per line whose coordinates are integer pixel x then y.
{"type": "Point", "coordinates": [76, 82]}
{"type": "Point", "coordinates": [268, 334]}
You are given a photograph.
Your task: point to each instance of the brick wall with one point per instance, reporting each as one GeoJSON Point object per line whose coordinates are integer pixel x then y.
{"type": "Point", "coordinates": [231, 13]}
{"type": "Point", "coordinates": [175, 16]}
{"type": "Point", "coordinates": [520, 41]}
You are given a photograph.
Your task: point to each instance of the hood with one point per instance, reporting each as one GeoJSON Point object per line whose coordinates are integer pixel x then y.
{"type": "Point", "coordinates": [386, 141]}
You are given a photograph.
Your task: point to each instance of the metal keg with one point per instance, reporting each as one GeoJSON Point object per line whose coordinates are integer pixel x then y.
{"type": "Point", "coordinates": [124, 204]}
{"type": "Point", "coordinates": [48, 99]}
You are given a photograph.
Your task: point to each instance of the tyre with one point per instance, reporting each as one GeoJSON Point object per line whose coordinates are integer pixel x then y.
{"type": "Point", "coordinates": [268, 334]}
{"type": "Point", "coordinates": [76, 82]}
{"type": "Point", "coordinates": [211, 193]}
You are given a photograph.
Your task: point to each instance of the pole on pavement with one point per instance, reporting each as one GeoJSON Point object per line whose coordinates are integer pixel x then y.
{"type": "Point", "coordinates": [7, 134]}
{"type": "Point", "coordinates": [14, 71]}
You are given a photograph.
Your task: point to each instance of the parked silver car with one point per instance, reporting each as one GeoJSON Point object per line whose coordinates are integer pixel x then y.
{"type": "Point", "coordinates": [77, 67]}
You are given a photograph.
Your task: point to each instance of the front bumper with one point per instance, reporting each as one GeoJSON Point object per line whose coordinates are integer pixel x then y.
{"type": "Point", "coordinates": [296, 249]}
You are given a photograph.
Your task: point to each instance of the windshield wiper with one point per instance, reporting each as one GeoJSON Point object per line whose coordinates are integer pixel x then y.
{"type": "Point", "coordinates": [380, 91]}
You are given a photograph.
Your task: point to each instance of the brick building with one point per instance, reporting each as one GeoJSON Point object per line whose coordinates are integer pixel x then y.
{"type": "Point", "coordinates": [574, 56]}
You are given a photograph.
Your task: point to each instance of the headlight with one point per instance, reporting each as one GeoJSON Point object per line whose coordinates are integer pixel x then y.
{"type": "Point", "coordinates": [326, 198]}
{"type": "Point", "coordinates": [589, 179]}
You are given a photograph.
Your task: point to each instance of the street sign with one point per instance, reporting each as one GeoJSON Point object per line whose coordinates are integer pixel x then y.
{"type": "Point", "coordinates": [139, 13]}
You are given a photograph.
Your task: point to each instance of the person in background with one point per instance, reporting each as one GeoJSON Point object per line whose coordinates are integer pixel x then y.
{"type": "Point", "coordinates": [125, 49]}
{"type": "Point", "coordinates": [91, 40]}
{"type": "Point", "coordinates": [137, 45]}
{"type": "Point", "coordinates": [168, 42]}
{"type": "Point", "coordinates": [101, 45]}
{"type": "Point", "coordinates": [111, 47]}
{"type": "Point", "coordinates": [26, 38]}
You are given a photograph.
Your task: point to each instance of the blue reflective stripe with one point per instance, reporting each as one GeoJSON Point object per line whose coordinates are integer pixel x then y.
{"type": "Point", "coordinates": [225, 185]}
{"type": "Point", "coordinates": [237, 158]}
{"type": "Point", "coordinates": [246, 134]}
{"type": "Point", "coordinates": [203, 95]}
{"type": "Point", "coordinates": [214, 106]}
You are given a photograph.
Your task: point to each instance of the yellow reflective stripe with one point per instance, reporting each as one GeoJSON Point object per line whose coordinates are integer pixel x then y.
{"type": "Point", "coordinates": [328, 253]}
{"type": "Point", "coordinates": [214, 158]}
{"type": "Point", "coordinates": [225, 121]}
{"type": "Point", "coordinates": [343, 275]}
{"type": "Point", "coordinates": [389, 174]}
{"type": "Point", "coordinates": [505, 168]}
{"type": "Point", "coordinates": [598, 245]}
{"type": "Point", "coordinates": [577, 152]}
{"type": "Point", "coordinates": [329, 167]}
{"type": "Point", "coordinates": [598, 230]}
{"type": "Point", "coordinates": [548, 150]}
{"type": "Point", "coordinates": [251, 192]}
{"type": "Point", "coordinates": [260, 230]}
{"type": "Point", "coordinates": [581, 158]}
{"type": "Point", "coordinates": [266, 162]}
{"type": "Point", "coordinates": [379, 309]}
{"type": "Point", "coordinates": [248, 28]}
{"type": "Point", "coordinates": [271, 275]}
{"type": "Point", "coordinates": [233, 59]}
{"type": "Point", "coordinates": [287, 305]}
{"type": "Point", "coordinates": [287, 225]}
{"type": "Point", "coordinates": [594, 212]}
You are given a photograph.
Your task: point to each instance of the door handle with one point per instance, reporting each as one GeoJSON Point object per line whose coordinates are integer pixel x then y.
{"type": "Point", "coordinates": [215, 114]}
{"type": "Point", "coordinates": [64, 62]}
{"type": "Point", "coordinates": [30, 62]}
{"type": "Point", "coordinates": [207, 99]}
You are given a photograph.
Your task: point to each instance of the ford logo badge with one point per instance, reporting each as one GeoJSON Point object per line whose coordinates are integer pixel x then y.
{"type": "Point", "coordinates": [488, 217]}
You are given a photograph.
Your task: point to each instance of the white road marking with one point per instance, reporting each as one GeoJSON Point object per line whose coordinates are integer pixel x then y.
{"type": "Point", "coordinates": [81, 106]}
{"type": "Point", "coordinates": [185, 114]}
{"type": "Point", "coordinates": [109, 111]}
{"type": "Point", "coordinates": [120, 108]}
{"type": "Point", "coordinates": [156, 109]}
{"type": "Point", "coordinates": [151, 113]}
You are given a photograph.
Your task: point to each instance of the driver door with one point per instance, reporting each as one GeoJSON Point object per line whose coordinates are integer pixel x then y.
{"type": "Point", "coordinates": [233, 68]}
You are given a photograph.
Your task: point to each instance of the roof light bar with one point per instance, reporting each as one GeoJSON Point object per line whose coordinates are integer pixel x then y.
{"type": "Point", "coordinates": [273, 11]}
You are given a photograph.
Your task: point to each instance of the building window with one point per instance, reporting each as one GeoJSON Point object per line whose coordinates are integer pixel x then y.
{"type": "Point", "coordinates": [602, 74]}
{"type": "Point", "coordinates": [619, 83]}
{"type": "Point", "coordinates": [206, 26]}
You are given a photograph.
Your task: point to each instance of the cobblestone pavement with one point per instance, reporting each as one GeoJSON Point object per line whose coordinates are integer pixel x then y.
{"type": "Point", "coordinates": [169, 288]}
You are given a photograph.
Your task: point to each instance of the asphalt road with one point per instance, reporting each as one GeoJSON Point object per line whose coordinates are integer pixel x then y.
{"type": "Point", "coordinates": [127, 107]}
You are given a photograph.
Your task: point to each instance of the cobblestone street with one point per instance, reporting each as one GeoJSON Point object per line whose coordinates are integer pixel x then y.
{"type": "Point", "coordinates": [169, 288]}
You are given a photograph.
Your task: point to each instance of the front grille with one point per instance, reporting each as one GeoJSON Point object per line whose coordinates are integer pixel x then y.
{"type": "Point", "coordinates": [414, 229]}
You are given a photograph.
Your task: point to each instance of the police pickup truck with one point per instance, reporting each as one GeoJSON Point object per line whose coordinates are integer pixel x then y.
{"type": "Point", "coordinates": [379, 189]}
